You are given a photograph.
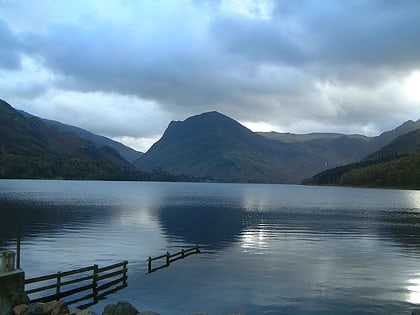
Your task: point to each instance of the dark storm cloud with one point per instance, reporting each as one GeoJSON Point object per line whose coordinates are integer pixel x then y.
{"type": "Point", "coordinates": [328, 39]}
{"type": "Point", "coordinates": [259, 40]}
{"type": "Point", "coordinates": [9, 48]}
{"type": "Point", "coordinates": [372, 33]}
{"type": "Point", "coordinates": [333, 62]}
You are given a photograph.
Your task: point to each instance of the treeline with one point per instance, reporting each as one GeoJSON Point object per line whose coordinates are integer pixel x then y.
{"type": "Point", "coordinates": [398, 171]}
{"type": "Point", "coordinates": [64, 167]}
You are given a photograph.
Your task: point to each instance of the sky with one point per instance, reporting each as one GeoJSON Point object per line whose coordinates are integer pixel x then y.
{"type": "Point", "coordinates": [124, 69]}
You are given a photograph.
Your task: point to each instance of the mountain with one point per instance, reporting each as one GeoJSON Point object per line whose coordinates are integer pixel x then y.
{"type": "Point", "coordinates": [397, 164]}
{"type": "Point", "coordinates": [213, 146]}
{"type": "Point", "coordinates": [408, 143]}
{"type": "Point", "coordinates": [126, 152]}
{"type": "Point", "coordinates": [338, 149]}
{"type": "Point", "coordinates": [30, 148]}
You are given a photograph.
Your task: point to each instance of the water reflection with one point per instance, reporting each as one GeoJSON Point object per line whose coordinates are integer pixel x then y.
{"type": "Point", "coordinates": [414, 290]}
{"type": "Point", "coordinates": [276, 249]}
{"type": "Point", "coordinates": [214, 227]}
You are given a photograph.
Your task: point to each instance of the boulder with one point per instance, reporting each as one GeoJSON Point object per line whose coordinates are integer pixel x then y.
{"type": "Point", "coordinates": [17, 310]}
{"type": "Point", "coordinates": [121, 308]}
{"type": "Point", "coordinates": [77, 311]}
{"type": "Point", "coordinates": [38, 309]}
{"type": "Point", "coordinates": [60, 308]}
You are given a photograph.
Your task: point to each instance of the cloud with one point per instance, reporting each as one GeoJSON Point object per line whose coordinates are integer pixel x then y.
{"type": "Point", "coordinates": [289, 64]}
{"type": "Point", "coordinates": [9, 48]}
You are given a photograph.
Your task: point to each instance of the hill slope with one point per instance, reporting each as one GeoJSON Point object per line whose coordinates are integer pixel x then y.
{"type": "Point", "coordinates": [216, 147]}
{"type": "Point", "coordinates": [126, 152]}
{"type": "Point", "coordinates": [30, 148]}
{"type": "Point", "coordinates": [339, 149]}
{"type": "Point", "coordinates": [395, 165]}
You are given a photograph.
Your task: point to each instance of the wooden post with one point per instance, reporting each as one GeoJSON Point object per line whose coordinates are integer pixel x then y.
{"type": "Point", "coordinates": [167, 258]}
{"type": "Point", "coordinates": [125, 273]}
{"type": "Point", "coordinates": [18, 252]}
{"type": "Point", "coordinates": [197, 249]}
{"type": "Point", "coordinates": [149, 265]}
{"type": "Point", "coordinates": [57, 288]}
{"type": "Point", "coordinates": [95, 284]}
{"type": "Point", "coordinates": [183, 253]}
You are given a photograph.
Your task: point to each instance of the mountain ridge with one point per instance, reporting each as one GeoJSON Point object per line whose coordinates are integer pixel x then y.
{"type": "Point", "coordinates": [207, 147]}
{"type": "Point", "coordinates": [396, 165]}
{"type": "Point", "coordinates": [214, 146]}
{"type": "Point", "coordinates": [126, 152]}
{"type": "Point", "coordinates": [30, 148]}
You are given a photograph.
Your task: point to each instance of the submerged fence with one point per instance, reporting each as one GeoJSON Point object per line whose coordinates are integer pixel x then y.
{"type": "Point", "coordinates": [171, 258]}
{"type": "Point", "coordinates": [81, 284]}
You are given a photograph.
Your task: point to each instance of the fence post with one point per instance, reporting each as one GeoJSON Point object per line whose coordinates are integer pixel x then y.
{"type": "Point", "coordinates": [197, 249]}
{"type": "Point", "coordinates": [57, 288]}
{"type": "Point", "coordinates": [125, 273]}
{"type": "Point", "coordinates": [149, 265]}
{"type": "Point", "coordinates": [18, 251]}
{"type": "Point", "coordinates": [167, 258]}
{"type": "Point", "coordinates": [183, 253]}
{"type": "Point", "coordinates": [95, 283]}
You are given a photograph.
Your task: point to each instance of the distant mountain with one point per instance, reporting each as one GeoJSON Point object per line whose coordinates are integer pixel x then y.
{"type": "Point", "coordinates": [126, 152]}
{"type": "Point", "coordinates": [213, 146]}
{"type": "Point", "coordinates": [30, 148]}
{"type": "Point", "coordinates": [385, 138]}
{"type": "Point", "coordinates": [408, 143]}
{"type": "Point", "coordinates": [395, 165]}
{"type": "Point", "coordinates": [339, 149]}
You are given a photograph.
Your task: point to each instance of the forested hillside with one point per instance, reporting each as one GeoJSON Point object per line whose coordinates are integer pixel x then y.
{"type": "Point", "coordinates": [29, 148]}
{"type": "Point", "coordinates": [395, 165]}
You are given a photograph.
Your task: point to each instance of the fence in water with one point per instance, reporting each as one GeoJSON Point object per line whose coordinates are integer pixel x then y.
{"type": "Point", "coordinates": [88, 283]}
{"type": "Point", "coordinates": [171, 258]}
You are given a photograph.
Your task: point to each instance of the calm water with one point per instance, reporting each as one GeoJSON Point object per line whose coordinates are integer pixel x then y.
{"type": "Point", "coordinates": [267, 249]}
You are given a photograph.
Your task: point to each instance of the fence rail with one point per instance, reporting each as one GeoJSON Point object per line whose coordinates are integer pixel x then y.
{"type": "Point", "coordinates": [171, 258]}
{"type": "Point", "coordinates": [92, 280]}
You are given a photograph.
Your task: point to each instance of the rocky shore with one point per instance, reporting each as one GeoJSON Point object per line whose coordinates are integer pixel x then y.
{"type": "Point", "coordinates": [120, 308]}
{"type": "Point", "coordinates": [61, 308]}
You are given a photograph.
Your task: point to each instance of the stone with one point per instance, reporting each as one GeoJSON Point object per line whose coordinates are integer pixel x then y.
{"type": "Point", "coordinates": [77, 311]}
{"type": "Point", "coordinates": [12, 290]}
{"type": "Point", "coordinates": [121, 308]}
{"type": "Point", "coordinates": [38, 309]}
{"type": "Point", "coordinates": [415, 312]}
{"type": "Point", "coordinates": [60, 308]}
{"type": "Point", "coordinates": [17, 310]}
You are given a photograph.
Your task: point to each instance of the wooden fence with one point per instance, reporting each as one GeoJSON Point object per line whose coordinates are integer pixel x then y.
{"type": "Point", "coordinates": [94, 282]}
{"type": "Point", "coordinates": [171, 258]}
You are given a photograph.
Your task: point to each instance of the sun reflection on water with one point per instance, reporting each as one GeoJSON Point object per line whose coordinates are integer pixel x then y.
{"type": "Point", "coordinates": [414, 291]}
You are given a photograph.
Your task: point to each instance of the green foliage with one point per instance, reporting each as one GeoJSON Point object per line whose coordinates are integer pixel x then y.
{"type": "Point", "coordinates": [31, 149]}
{"type": "Point", "coordinates": [400, 171]}
{"type": "Point", "coordinates": [403, 172]}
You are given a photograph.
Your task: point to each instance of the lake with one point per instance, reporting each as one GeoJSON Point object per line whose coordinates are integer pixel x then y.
{"type": "Point", "coordinates": [266, 249]}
